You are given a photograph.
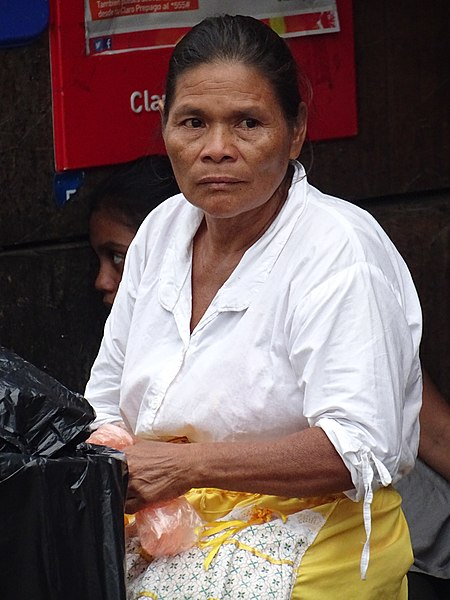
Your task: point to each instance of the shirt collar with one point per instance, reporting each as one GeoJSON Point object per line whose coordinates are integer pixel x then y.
{"type": "Point", "coordinates": [254, 267]}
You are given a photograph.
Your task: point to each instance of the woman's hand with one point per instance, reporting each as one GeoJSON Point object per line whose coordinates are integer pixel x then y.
{"type": "Point", "coordinates": [158, 472]}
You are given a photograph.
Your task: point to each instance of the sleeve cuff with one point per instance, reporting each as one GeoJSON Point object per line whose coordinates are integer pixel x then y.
{"type": "Point", "coordinates": [367, 472]}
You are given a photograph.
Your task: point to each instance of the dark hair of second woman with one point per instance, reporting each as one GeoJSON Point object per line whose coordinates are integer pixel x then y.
{"type": "Point", "coordinates": [134, 189]}
{"type": "Point", "coordinates": [244, 40]}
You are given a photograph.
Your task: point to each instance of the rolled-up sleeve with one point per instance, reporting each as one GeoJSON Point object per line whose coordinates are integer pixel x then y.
{"type": "Point", "coordinates": [355, 352]}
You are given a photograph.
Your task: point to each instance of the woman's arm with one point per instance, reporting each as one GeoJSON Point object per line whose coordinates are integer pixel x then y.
{"type": "Point", "coordinates": [434, 445]}
{"type": "Point", "coordinates": [301, 464]}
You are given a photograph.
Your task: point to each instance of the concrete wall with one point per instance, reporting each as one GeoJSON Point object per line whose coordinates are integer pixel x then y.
{"type": "Point", "coordinates": [396, 167]}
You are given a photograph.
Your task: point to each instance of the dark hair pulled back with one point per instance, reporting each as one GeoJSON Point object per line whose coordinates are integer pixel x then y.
{"type": "Point", "coordinates": [244, 40]}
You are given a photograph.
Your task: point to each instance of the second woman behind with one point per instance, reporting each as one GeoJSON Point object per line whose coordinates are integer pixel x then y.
{"type": "Point", "coordinates": [119, 204]}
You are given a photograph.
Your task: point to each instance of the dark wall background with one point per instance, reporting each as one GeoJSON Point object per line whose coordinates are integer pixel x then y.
{"type": "Point", "coordinates": [397, 167]}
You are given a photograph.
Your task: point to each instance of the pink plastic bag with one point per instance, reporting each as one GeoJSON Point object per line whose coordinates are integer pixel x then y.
{"type": "Point", "coordinates": [163, 529]}
{"type": "Point", "coordinates": [111, 435]}
{"type": "Point", "coordinates": [169, 528]}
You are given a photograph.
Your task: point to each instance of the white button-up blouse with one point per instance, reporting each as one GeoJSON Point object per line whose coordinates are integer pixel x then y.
{"type": "Point", "coordinates": [318, 325]}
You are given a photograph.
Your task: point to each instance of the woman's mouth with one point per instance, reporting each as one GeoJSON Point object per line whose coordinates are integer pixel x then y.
{"type": "Point", "coordinates": [219, 180]}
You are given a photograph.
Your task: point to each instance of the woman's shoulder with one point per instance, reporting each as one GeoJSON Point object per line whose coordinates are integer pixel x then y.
{"type": "Point", "coordinates": [166, 211]}
{"type": "Point", "coordinates": [337, 237]}
{"type": "Point", "coordinates": [345, 214]}
{"type": "Point", "coordinates": [162, 220]}
{"type": "Point", "coordinates": [157, 229]}
{"type": "Point", "coordinates": [337, 216]}
{"type": "Point", "coordinates": [343, 223]}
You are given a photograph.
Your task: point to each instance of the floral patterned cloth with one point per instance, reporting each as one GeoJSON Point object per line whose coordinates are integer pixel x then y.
{"type": "Point", "coordinates": [251, 561]}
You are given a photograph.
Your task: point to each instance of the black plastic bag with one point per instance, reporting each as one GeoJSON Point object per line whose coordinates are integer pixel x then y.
{"type": "Point", "coordinates": [61, 500]}
{"type": "Point", "coordinates": [38, 415]}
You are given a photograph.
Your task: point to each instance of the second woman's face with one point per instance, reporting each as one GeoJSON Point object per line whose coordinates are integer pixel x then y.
{"type": "Point", "coordinates": [228, 139]}
{"type": "Point", "coordinates": [109, 239]}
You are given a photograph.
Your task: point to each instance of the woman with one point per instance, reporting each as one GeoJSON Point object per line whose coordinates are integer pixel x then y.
{"type": "Point", "coordinates": [277, 330]}
{"type": "Point", "coordinates": [119, 204]}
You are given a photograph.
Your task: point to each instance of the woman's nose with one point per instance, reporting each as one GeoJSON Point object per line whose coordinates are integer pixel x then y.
{"type": "Point", "coordinates": [107, 282]}
{"type": "Point", "coordinates": [219, 144]}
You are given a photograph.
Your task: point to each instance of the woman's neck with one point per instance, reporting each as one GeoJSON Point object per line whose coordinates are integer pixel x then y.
{"type": "Point", "coordinates": [233, 236]}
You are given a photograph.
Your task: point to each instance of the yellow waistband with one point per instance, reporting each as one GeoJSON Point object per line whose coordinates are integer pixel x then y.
{"type": "Point", "coordinates": [214, 503]}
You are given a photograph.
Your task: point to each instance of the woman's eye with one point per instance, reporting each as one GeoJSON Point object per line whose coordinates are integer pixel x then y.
{"type": "Point", "coordinates": [250, 123]}
{"type": "Point", "coordinates": [194, 123]}
{"type": "Point", "coordinates": [118, 258]}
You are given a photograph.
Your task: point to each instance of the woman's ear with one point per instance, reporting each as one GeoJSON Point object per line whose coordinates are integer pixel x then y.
{"type": "Point", "coordinates": [161, 111]}
{"type": "Point", "coordinates": [299, 132]}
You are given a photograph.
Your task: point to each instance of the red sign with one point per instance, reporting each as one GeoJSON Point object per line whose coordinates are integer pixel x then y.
{"type": "Point", "coordinates": [105, 103]}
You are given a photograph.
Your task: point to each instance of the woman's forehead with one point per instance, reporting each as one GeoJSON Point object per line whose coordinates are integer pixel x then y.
{"type": "Point", "coordinates": [217, 68]}
{"type": "Point", "coordinates": [233, 79]}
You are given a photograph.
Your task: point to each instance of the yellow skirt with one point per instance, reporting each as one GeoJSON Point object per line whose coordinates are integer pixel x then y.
{"type": "Point", "coordinates": [257, 546]}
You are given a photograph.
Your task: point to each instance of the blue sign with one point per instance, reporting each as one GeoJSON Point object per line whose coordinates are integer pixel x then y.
{"type": "Point", "coordinates": [22, 21]}
{"type": "Point", "coordinates": [66, 184]}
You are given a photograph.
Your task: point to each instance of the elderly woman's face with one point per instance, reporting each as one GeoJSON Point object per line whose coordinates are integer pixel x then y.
{"type": "Point", "coordinates": [228, 139]}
